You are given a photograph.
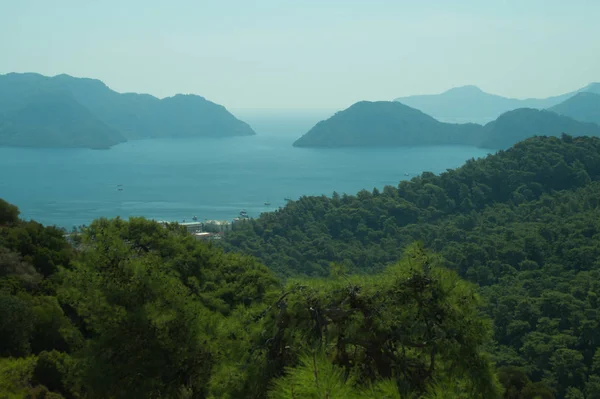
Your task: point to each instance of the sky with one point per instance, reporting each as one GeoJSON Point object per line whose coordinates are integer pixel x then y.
{"type": "Point", "coordinates": [307, 54]}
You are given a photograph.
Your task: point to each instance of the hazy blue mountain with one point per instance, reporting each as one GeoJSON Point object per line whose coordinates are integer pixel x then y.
{"type": "Point", "coordinates": [470, 102]}
{"type": "Point", "coordinates": [134, 116]}
{"type": "Point", "coordinates": [584, 107]}
{"type": "Point", "coordinates": [53, 118]}
{"type": "Point", "coordinates": [143, 115]}
{"type": "Point", "coordinates": [520, 124]}
{"type": "Point", "coordinates": [386, 123]}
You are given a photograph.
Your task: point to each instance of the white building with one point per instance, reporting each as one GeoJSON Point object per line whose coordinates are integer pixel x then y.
{"type": "Point", "coordinates": [216, 226]}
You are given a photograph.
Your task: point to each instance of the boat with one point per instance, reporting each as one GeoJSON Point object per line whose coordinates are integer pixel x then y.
{"type": "Point", "coordinates": [243, 213]}
{"type": "Point", "coordinates": [195, 218]}
{"type": "Point", "coordinates": [288, 199]}
{"type": "Point", "coordinates": [267, 204]}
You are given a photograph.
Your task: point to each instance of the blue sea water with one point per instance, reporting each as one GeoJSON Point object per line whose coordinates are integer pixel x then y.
{"type": "Point", "coordinates": [176, 179]}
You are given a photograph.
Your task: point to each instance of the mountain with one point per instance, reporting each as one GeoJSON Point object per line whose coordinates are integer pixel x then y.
{"type": "Point", "coordinates": [471, 103]}
{"type": "Point", "coordinates": [584, 107]}
{"type": "Point", "coordinates": [520, 124]}
{"type": "Point", "coordinates": [386, 123]}
{"type": "Point", "coordinates": [145, 116]}
{"type": "Point", "coordinates": [134, 116]}
{"type": "Point", "coordinates": [55, 119]}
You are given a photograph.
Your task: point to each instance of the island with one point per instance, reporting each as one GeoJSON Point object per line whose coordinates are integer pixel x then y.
{"type": "Point", "coordinates": [386, 123]}
{"type": "Point", "coordinates": [520, 124]}
{"type": "Point", "coordinates": [392, 124]}
{"type": "Point", "coordinates": [64, 111]}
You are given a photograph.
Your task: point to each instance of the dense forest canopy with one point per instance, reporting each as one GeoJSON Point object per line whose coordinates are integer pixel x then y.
{"type": "Point", "coordinates": [523, 224]}
{"type": "Point", "coordinates": [480, 282]}
{"type": "Point", "coordinates": [134, 309]}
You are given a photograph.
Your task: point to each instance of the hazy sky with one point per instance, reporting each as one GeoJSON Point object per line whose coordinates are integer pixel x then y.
{"type": "Point", "coordinates": [307, 53]}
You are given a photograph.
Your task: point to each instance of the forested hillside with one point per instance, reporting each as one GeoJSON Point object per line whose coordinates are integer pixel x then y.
{"type": "Point", "coordinates": [374, 303]}
{"type": "Point", "coordinates": [131, 309]}
{"type": "Point", "coordinates": [524, 224]}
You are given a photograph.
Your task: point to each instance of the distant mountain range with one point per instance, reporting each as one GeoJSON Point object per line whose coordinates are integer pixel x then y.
{"type": "Point", "coordinates": [523, 123]}
{"type": "Point", "coordinates": [584, 106]}
{"type": "Point", "coordinates": [63, 111]}
{"type": "Point", "coordinates": [473, 104]}
{"type": "Point", "coordinates": [386, 123]}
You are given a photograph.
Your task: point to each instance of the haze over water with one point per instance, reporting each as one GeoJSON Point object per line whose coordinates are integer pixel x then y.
{"type": "Point", "coordinates": [208, 178]}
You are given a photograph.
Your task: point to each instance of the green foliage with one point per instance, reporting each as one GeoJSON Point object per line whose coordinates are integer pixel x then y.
{"type": "Point", "coordinates": [16, 326]}
{"type": "Point", "coordinates": [144, 310]}
{"type": "Point", "coordinates": [42, 247]}
{"type": "Point", "coordinates": [523, 224]}
{"type": "Point", "coordinates": [55, 371]}
{"type": "Point", "coordinates": [52, 328]}
{"type": "Point", "coordinates": [417, 324]}
{"type": "Point", "coordinates": [145, 329]}
{"type": "Point", "coordinates": [315, 377]}
{"type": "Point", "coordinates": [9, 214]}
{"type": "Point", "coordinates": [15, 375]}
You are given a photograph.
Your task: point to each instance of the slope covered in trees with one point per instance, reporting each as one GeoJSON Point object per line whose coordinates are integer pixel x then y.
{"type": "Point", "coordinates": [523, 224]}
{"type": "Point", "coordinates": [138, 310]}
{"type": "Point", "coordinates": [89, 111]}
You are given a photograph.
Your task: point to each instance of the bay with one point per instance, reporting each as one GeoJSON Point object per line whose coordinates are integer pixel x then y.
{"type": "Point", "coordinates": [176, 179]}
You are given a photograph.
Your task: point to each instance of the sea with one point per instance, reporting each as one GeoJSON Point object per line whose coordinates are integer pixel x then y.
{"type": "Point", "coordinates": [207, 178]}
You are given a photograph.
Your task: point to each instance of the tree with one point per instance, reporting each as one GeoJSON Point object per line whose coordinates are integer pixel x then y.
{"type": "Point", "coordinates": [16, 326]}
{"type": "Point", "coordinates": [145, 331]}
{"type": "Point", "coordinates": [9, 214]}
{"type": "Point", "coordinates": [416, 324]}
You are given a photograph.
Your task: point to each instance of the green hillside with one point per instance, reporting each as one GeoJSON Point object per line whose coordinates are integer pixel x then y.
{"type": "Point", "coordinates": [523, 224]}
{"type": "Point", "coordinates": [133, 309]}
